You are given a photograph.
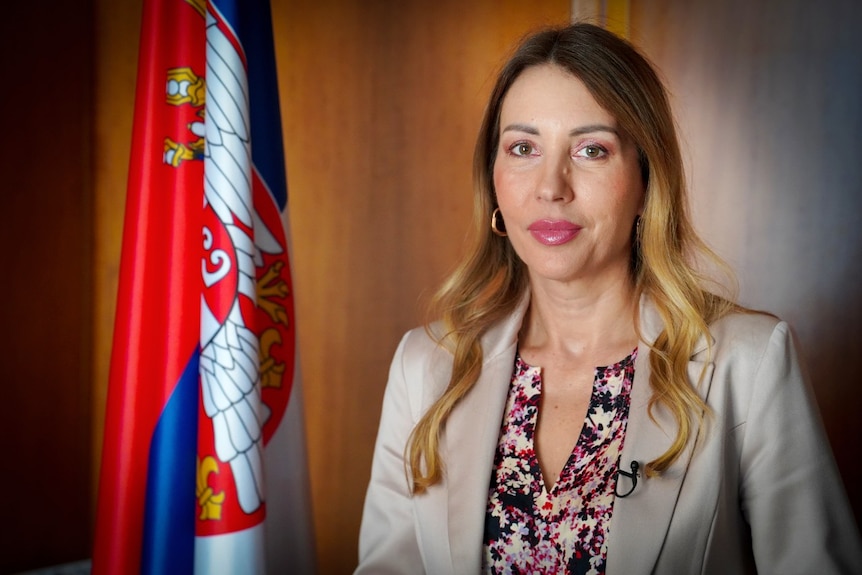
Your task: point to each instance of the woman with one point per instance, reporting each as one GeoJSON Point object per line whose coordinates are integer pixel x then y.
{"type": "Point", "coordinates": [586, 405]}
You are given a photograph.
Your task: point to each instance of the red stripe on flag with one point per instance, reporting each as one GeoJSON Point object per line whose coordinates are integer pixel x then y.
{"type": "Point", "coordinates": [158, 307]}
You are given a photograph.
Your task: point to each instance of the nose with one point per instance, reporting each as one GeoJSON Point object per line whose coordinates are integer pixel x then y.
{"type": "Point", "coordinates": [555, 184]}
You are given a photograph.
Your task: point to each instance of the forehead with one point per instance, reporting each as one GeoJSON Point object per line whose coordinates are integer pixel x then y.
{"type": "Point", "coordinates": [547, 92]}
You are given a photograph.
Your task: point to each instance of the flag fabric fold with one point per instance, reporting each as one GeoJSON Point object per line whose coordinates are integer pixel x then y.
{"type": "Point", "coordinates": [203, 461]}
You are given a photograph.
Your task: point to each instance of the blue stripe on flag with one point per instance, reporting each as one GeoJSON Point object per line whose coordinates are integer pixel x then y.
{"type": "Point", "coordinates": [169, 514]}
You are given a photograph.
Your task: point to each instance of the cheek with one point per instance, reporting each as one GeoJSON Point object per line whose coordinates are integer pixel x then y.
{"type": "Point", "coordinates": [616, 208]}
{"type": "Point", "coordinates": [628, 193]}
{"type": "Point", "coordinates": [508, 184]}
{"type": "Point", "coordinates": [498, 174]}
{"type": "Point", "coordinates": [502, 186]}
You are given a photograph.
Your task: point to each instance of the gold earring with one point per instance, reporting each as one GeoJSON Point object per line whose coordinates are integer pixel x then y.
{"type": "Point", "coordinates": [500, 232]}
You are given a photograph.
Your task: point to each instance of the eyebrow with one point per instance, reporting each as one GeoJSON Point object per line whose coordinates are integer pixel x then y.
{"type": "Point", "coordinates": [588, 129]}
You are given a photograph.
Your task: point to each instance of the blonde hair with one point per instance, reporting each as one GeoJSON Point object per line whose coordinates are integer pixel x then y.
{"type": "Point", "coordinates": [491, 279]}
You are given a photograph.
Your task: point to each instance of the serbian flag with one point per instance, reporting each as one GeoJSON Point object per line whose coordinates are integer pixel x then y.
{"type": "Point", "coordinates": [203, 461]}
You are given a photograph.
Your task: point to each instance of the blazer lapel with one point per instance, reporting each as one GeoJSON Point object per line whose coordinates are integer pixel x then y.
{"type": "Point", "coordinates": [640, 520]}
{"type": "Point", "coordinates": [470, 442]}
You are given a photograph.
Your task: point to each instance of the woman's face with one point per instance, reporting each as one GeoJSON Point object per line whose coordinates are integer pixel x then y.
{"type": "Point", "coordinates": [567, 179]}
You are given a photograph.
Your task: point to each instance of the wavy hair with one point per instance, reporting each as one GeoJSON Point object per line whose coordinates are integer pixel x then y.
{"type": "Point", "coordinates": [489, 282]}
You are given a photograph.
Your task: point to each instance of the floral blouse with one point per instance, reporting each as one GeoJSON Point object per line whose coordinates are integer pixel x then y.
{"type": "Point", "coordinates": [529, 529]}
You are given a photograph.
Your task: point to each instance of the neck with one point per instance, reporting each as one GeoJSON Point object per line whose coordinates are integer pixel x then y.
{"type": "Point", "coordinates": [581, 322]}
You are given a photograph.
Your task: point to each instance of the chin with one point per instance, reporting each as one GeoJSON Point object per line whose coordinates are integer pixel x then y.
{"type": "Point", "coordinates": [554, 274]}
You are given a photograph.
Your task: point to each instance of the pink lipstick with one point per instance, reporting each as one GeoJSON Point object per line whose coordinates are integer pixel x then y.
{"type": "Point", "coordinates": [554, 232]}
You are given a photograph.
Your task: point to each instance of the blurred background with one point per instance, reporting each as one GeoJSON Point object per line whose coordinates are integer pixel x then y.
{"type": "Point", "coordinates": [381, 100]}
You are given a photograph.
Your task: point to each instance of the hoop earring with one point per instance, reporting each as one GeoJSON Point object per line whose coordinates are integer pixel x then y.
{"type": "Point", "coordinates": [494, 227]}
{"type": "Point", "coordinates": [638, 228]}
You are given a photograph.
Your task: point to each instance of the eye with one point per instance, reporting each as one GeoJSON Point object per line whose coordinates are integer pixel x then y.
{"type": "Point", "coordinates": [522, 149]}
{"type": "Point", "coordinates": [591, 151]}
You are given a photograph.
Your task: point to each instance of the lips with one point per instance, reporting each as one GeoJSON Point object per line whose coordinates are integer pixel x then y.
{"type": "Point", "coordinates": [554, 232]}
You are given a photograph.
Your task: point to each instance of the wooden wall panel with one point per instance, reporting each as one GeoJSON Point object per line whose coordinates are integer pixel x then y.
{"type": "Point", "coordinates": [116, 60]}
{"type": "Point", "coordinates": [46, 63]}
{"type": "Point", "coordinates": [381, 102]}
{"type": "Point", "coordinates": [768, 99]}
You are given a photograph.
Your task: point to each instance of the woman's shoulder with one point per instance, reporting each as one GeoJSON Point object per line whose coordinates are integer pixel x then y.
{"type": "Point", "coordinates": [743, 321]}
{"type": "Point", "coordinates": [422, 341]}
{"type": "Point", "coordinates": [747, 333]}
{"type": "Point", "coordinates": [746, 323]}
{"type": "Point", "coordinates": [736, 327]}
{"type": "Point", "coordinates": [424, 362]}
{"type": "Point", "coordinates": [414, 374]}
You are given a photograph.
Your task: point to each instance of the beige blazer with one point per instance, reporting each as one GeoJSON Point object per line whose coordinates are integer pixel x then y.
{"type": "Point", "coordinates": [757, 492]}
